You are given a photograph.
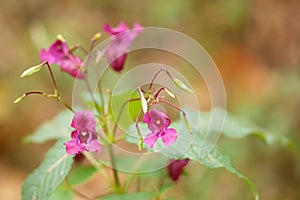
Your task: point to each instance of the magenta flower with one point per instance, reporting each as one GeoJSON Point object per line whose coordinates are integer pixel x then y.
{"type": "Point", "coordinates": [59, 54]}
{"type": "Point", "coordinates": [56, 52]}
{"type": "Point", "coordinates": [175, 168]}
{"type": "Point", "coordinates": [158, 123]}
{"type": "Point", "coordinates": [84, 136]}
{"type": "Point", "coordinates": [122, 38]}
{"type": "Point", "coordinates": [71, 64]}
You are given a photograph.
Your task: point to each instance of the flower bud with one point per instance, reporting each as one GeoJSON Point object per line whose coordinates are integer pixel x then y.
{"type": "Point", "coordinates": [175, 168]}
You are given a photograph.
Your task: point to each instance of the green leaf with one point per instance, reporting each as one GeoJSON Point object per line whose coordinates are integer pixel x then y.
{"type": "Point", "coordinates": [217, 159]}
{"type": "Point", "coordinates": [91, 102]}
{"type": "Point", "coordinates": [238, 127]}
{"type": "Point", "coordinates": [165, 188]}
{"type": "Point", "coordinates": [51, 172]}
{"type": "Point", "coordinates": [186, 146]}
{"type": "Point", "coordinates": [141, 165]}
{"type": "Point", "coordinates": [129, 196]}
{"type": "Point", "coordinates": [32, 70]}
{"type": "Point", "coordinates": [180, 84]}
{"type": "Point", "coordinates": [57, 128]}
{"type": "Point", "coordinates": [62, 193]}
{"type": "Point", "coordinates": [81, 174]}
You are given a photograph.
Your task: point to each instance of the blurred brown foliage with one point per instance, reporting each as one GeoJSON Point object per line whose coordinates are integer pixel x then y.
{"type": "Point", "coordinates": [256, 45]}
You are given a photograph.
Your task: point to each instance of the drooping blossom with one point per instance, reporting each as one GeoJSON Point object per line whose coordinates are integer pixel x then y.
{"type": "Point", "coordinates": [122, 38]}
{"type": "Point", "coordinates": [84, 136]}
{"type": "Point", "coordinates": [158, 122]}
{"type": "Point", "coordinates": [59, 54]}
{"type": "Point", "coordinates": [78, 158]}
{"type": "Point", "coordinates": [175, 168]}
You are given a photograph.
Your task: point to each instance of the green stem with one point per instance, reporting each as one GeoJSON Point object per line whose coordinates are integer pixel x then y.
{"type": "Point", "coordinates": [55, 96]}
{"type": "Point", "coordinates": [173, 105]}
{"type": "Point", "coordinates": [138, 184]}
{"type": "Point", "coordinates": [59, 99]}
{"type": "Point", "coordinates": [187, 124]}
{"type": "Point", "coordinates": [154, 77]}
{"type": "Point", "coordinates": [76, 191]}
{"type": "Point", "coordinates": [97, 165]}
{"type": "Point", "coordinates": [140, 143]}
{"type": "Point", "coordinates": [78, 46]}
{"type": "Point", "coordinates": [92, 94]}
{"type": "Point", "coordinates": [85, 78]}
{"type": "Point", "coordinates": [101, 96]}
{"type": "Point", "coordinates": [115, 172]}
{"type": "Point", "coordinates": [111, 140]}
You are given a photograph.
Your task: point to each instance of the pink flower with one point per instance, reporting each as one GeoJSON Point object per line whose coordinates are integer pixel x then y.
{"type": "Point", "coordinates": [121, 41]}
{"type": "Point", "coordinates": [175, 168]}
{"type": "Point", "coordinates": [158, 123]}
{"type": "Point", "coordinates": [84, 136]}
{"type": "Point", "coordinates": [71, 64]}
{"type": "Point", "coordinates": [59, 54]}
{"type": "Point", "coordinates": [56, 52]}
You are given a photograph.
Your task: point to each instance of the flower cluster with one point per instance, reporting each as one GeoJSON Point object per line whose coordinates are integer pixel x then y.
{"type": "Point", "coordinates": [84, 137]}
{"type": "Point", "coordinates": [60, 54]}
{"type": "Point", "coordinates": [122, 37]}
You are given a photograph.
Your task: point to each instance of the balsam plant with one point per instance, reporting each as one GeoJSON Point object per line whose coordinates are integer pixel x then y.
{"type": "Point", "coordinates": [78, 137]}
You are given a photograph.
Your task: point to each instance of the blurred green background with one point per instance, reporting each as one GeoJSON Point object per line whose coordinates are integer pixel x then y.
{"type": "Point", "coordinates": [255, 44]}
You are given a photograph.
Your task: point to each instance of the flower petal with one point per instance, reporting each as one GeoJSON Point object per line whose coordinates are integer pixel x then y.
{"type": "Point", "coordinates": [158, 121]}
{"type": "Point", "coordinates": [116, 57]}
{"type": "Point", "coordinates": [74, 134]}
{"type": "Point", "coordinates": [175, 168]}
{"type": "Point", "coordinates": [45, 56]}
{"type": "Point", "coordinates": [134, 32]}
{"type": "Point", "coordinates": [138, 28]}
{"type": "Point", "coordinates": [167, 119]}
{"type": "Point", "coordinates": [116, 30]}
{"type": "Point", "coordinates": [71, 64]}
{"type": "Point", "coordinates": [72, 147]}
{"type": "Point", "coordinates": [58, 50]}
{"type": "Point", "coordinates": [169, 136]}
{"type": "Point", "coordinates": [146, 118]}
{"type": "Point", "coordinates": [150, 139]}
{"type": "Point", "coordinates": [84, 120]}
{"type": "Point", "coordinates": [120, 42]}
{"type": "Point", "coordinates": [94, 146]}
{"type": "Point", "coordinates": [73, 123]}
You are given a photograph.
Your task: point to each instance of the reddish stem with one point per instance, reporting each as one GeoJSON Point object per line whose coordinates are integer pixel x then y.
{"type": "Point", "coordinates": [173, 105]}
{"type": "Point", "coordinates": [120, 114]}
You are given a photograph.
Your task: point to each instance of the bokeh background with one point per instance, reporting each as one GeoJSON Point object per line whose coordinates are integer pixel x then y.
{"type": "Point", "coordinates": [255, 44]}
